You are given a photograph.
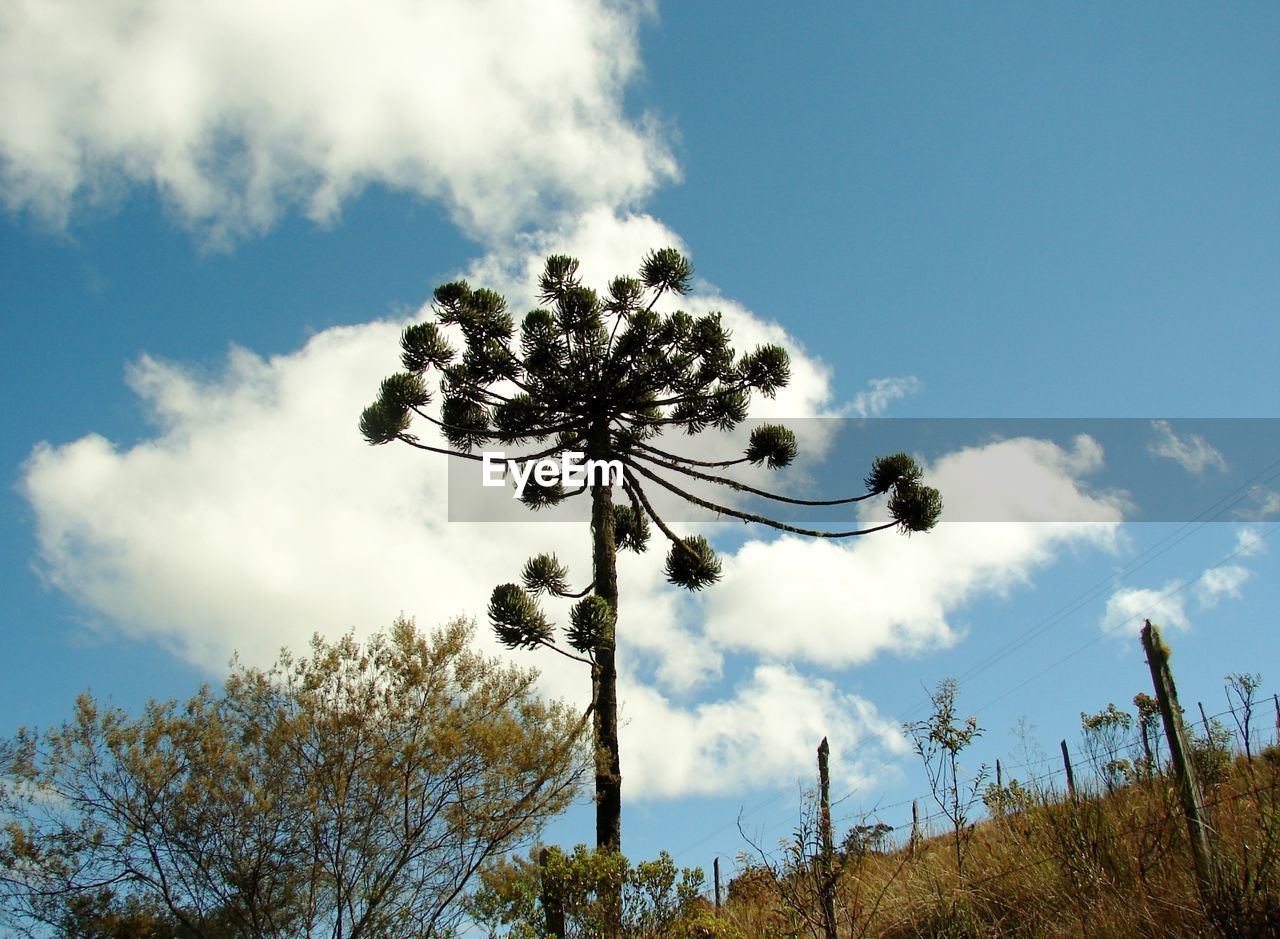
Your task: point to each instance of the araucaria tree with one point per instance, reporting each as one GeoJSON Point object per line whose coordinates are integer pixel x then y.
{"type": "Point", "coordinates": [604, 376]}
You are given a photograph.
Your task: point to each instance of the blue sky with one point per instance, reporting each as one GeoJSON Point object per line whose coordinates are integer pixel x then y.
{"type": "Point", "coordinates": [216, 223]}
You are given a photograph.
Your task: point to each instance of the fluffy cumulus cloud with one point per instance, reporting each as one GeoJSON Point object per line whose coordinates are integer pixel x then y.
{"type": "Point", "coordinates": [1170, 605]}
{"type": "Point", "coordinates": [869, 595]}
{"type": "Point", "coordinates": [764, 732]}
{"type": "Point", "coordinates": [1220, 583]}
{"type": "Point", "coordinates": [1128, 607]}
{"type": "Point", "coordinates": [238, 110]}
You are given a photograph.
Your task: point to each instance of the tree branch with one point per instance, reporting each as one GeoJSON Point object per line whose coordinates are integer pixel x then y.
{"type": "Point", "coordinates": [635, 490]}
{"type": "Point", "coordinates": [749, 517]}
{"type": "Point", "coordinates": [689, 460]}
{"type": "Point", "coordinates": [568, 655]}
{"type": "Point", "coordinates": [743, 487]}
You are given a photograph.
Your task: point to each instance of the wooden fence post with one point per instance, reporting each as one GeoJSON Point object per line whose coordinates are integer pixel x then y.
{"type": "Point", "coordinates": [716, 867]}
{"type": "Point", "coordinates": [1276, 699]}
{"type": "Point", "coordinates": [1180, 756]}
{"type": "Point", "coordinates": [915, 826]}
{"type": "Point", "coordinates": [1071, 777]}
{"type": "Point", "coordinates": [827, 885]}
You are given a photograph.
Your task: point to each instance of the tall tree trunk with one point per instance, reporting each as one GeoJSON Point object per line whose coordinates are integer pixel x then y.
{"type": "Point", "coordinates": [604, 678]}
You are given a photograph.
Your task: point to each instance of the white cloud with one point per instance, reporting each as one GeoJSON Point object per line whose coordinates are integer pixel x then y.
{"type": "Point", "coordinates": [1192, 452]}
{"type": "Point", "coordinates": [1267, 501]}
{"type": "Point", "coordinates": [766, 733]}
{"type": "Point", "coordinates": [1249, 542]}
{"type": "Point", "coordinates": [1167, 607]}
{"type": "Point", "coordinates": [257, 515]}
{"type": "Point", "coordinates": [1127, 608]}
{"type": "Point", "coordinates": [882, 392]}
{"type": "Point", "coordinates": [238, 110]}
{"type": "Point", "coordinates": [890, 593]}
{"type": "Point", "coordinates": [1219, 582]}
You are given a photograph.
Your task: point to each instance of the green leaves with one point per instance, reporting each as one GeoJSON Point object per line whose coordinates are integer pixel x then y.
{"type": "Point", "coordinates": [578, 311]}
{"type": "Point", "coordinates": [559, 273]}
{"type": "Point", "coordinates": [424, 346]}
{"type": "Point", "coordinates": [403, 391]}
{"type": "Point", "coordinates": [591, 623]}
{"type": "Point", "coordinates": [767, 369]}
{"type": "Point", "coordinates": [545, 574]}
{"type": "Point", "coordinates": [481, 314]}
{"type": "Point", "coordinates": [666, 269]}
{"type": "Point", "coordinates": [887, 471]}
{"type": "Point", "coordinates": [630, 529]}
{"type": "Point", "coordinates": [537, 496]}
{"type": "Point", "coordinates": [570, 371]}
{"type": "Point", "coordinates": [450, 299]}
{"type": "Point", "coordinates": [516, 619]}
{"type": "Point", "coordinates": [379, 424]}
{"type": "Point", "coordinates": [519, 623]}
{"type": "Point", "coordinates": [541, 343]}
{"type": "Point", "coordinates": [914, 507]}
{"type": "Point", "coordinates": [624, 295]}
{"type": "Point", "coordinates": [389, 416]}
{"type": "Point", "coordinates": [466, 423]}
{"type": "Point", "coordinates": [692, 564]}
{"type": "Point", "coordinates": [519, 418]}
{"type": "Point", "coordinates": [772, 445]}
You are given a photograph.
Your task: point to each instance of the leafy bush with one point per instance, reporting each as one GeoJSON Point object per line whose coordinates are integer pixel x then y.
{"type": "Point", "coordinates": [657, 900]}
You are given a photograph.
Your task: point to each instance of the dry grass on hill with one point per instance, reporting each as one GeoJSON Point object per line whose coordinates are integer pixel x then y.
{"type": "Point", "coordinates": [1114, 864]}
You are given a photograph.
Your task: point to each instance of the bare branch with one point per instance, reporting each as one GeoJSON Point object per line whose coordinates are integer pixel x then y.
{"type": "Point", "coordinates": [743, 487]}
{"type": "Point", "coordinates": [748, 516]}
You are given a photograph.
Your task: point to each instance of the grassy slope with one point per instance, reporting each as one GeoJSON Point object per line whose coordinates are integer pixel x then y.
{"type": "Point", "coordinates": [1107, 865]}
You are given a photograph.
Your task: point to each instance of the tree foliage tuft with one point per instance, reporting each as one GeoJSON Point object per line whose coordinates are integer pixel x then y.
{"type": "Point", "coordinates": [692, 563]}
{"type": "Point", "coordinates": [516, 619]}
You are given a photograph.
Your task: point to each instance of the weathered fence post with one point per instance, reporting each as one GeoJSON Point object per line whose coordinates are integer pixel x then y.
{"type": "Point", "coordinates": [999, 789]}
{"type": "Point", "coordinates": [827, 886]}
{"type": "Point", "coordinates": [1180, 756]}
{"type": "Point", "coordinates": [1071, 777]}
{"type": "Point", "coordinates": [552, 901]}
{"type": "Point", "coordinates": [716, 867]}
{"type": "Point", "coordinates": [915, 826]}
{"type": "Point", "coordinates": [1276, 699]}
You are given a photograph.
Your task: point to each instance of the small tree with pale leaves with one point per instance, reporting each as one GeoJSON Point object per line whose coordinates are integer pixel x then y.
{"type": "Point", "coordinates": [939, 741]}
